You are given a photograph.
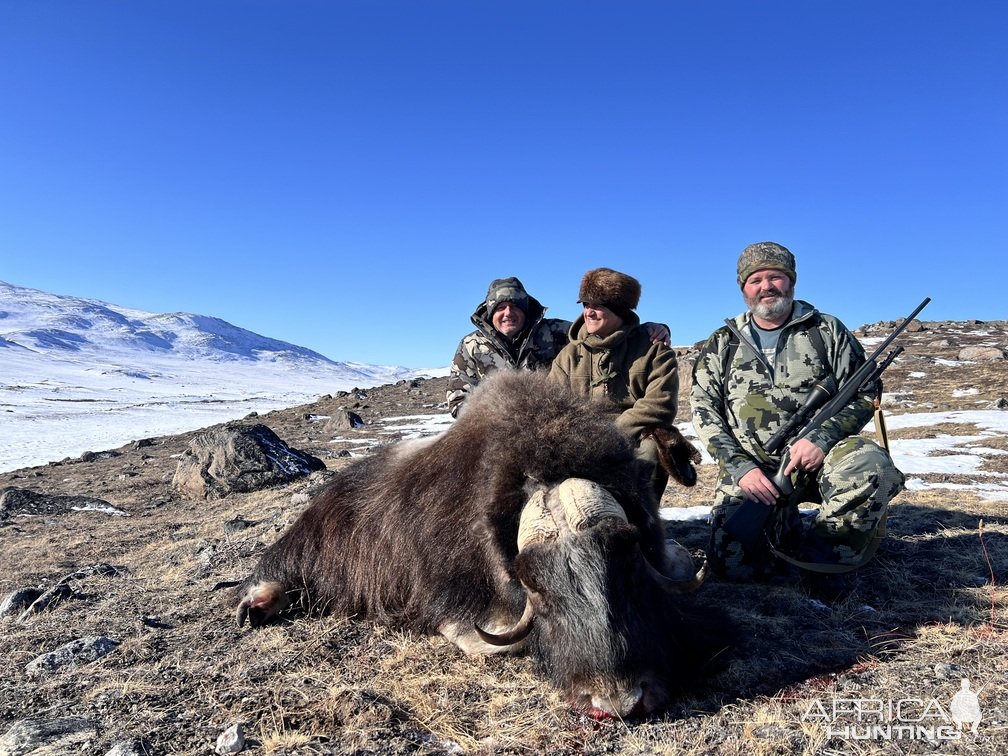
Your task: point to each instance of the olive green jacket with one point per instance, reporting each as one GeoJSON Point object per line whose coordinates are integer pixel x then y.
{"type": "Point", "coordinates": [625, 367]}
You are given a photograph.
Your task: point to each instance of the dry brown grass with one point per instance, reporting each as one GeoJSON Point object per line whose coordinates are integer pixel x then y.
{"type": "Point", "coordinates": [929, 610]}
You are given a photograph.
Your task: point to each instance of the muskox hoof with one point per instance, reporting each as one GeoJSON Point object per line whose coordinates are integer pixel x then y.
{"type": "Point", "coordinates": [687, 474]}
{"type": "Point", "coordinates": [676, 455]}
{"type": "Point", "coordinates": [260, 603]}
{"type": "Point", "coordinates": [679, 561]}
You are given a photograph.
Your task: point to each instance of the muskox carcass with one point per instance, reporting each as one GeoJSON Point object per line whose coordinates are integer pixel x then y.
{"type": "Point", "coordinates": [525, 526]}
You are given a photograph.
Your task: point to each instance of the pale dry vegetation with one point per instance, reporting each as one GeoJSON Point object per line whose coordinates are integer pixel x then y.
{"type": "Point", "coordinates": [928, 611]}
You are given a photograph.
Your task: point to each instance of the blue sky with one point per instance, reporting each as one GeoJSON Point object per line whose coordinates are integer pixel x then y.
{"type": "Point", "coordinates": [349, 176]}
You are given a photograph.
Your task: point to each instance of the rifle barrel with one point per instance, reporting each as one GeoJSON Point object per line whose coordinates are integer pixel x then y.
{"type": "Point", "coordinates": [869, 371]}
{"type": "Point", "coordinates": [898, 330]}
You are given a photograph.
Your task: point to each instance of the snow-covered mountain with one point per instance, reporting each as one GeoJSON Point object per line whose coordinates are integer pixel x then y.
{"type": "Point", "coordinates": [80, 374]}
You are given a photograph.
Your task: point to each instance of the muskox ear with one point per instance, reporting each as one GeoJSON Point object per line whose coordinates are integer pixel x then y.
{"type": "Point", "coordinates": [618, 537]}
{"type": "Point", "coordinates": [532, 565]}
{"type": "Point", "coordinates": [622, 543]}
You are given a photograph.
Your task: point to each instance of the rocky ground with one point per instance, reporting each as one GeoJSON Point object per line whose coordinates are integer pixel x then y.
{"type": "Point", "coordinates": [131, 647]}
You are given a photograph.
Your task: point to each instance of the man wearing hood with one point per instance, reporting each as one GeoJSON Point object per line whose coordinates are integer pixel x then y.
{"type": "Point", "coordinates": [512, 331]}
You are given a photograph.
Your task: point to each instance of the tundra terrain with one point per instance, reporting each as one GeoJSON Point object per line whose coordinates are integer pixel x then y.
{"type": "Point", "coordinates": [874, 672]}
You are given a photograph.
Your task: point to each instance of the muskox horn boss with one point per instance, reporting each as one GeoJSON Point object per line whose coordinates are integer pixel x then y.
{"type": "Point", "coordinates": [585, 503]}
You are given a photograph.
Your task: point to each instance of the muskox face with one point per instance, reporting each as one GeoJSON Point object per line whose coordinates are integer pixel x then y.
{"type": "Point", "coordinates": [604, 630]}
{"type": "Point", "coordinates": [600, 620]}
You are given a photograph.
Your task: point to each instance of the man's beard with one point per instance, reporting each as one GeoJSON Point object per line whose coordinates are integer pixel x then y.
{"type": "Point", "coordinates": [771, 309]}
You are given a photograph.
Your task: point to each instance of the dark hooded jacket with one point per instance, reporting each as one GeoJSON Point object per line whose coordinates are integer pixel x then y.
{"type": "Point", "coordinates": [486, 349]}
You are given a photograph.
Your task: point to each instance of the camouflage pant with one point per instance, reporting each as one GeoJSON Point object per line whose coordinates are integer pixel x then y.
{"type": "Point", "coordinates": [852, 490]}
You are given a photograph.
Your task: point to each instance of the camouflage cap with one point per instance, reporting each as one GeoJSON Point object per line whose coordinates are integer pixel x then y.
{"type": "Point", "coordinates": [763, 255]}
{"type": "Point", "coordinates": [506, 290]}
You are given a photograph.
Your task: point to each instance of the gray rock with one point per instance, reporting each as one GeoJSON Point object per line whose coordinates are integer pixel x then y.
{"type": "Point", "coordinates": [130, 747]}
{"type": "Point", "coordinates": [47, 600]}
{"type": "Point", "coordinates": [90, 456]}
{"type": "Point", "coordinates": [981, 353]}
{"type": "Point", "coordinates": [232, 740]}
{"type": "Point", "coordinates": [62, 589]}
{"type": "Point", "coordinates": [239, 458]}
{"type": "Point", "coordinates": [155, 622]}
{"type": "Point", "coordinates": [19, 600]}
{"type": "Point", "coordinates": [19, 501]}
{"type": "Point", "coordinates": [80, 651]}
{"type": "Point", "coordinates": [207, 554]}
{"type": "Point", "coordinates": [944, 671]}
{"type": "Point", "coordinates": [237, 524]}
{"type": "Point", "coordinates": [343, 420]}
{"type": "Point", "coordinates": [47, 737]}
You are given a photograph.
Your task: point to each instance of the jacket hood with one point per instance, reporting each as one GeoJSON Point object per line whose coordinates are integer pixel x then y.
{"type": "Point", "coordinates": [481, 317]}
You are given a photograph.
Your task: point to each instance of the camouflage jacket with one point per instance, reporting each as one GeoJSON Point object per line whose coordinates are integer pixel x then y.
{"type": "Point", "coordinates": [738, 408]}
{"type": "Point", "coordinates": [641, 377]}
{"type": "Point", "coordinates": [486, 349]}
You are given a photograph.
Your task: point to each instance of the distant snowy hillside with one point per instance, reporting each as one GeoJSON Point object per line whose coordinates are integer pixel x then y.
{"type": "Point", "coordinates": [115, 374]}
{"type": "Point", "coordinates": [52, 323]}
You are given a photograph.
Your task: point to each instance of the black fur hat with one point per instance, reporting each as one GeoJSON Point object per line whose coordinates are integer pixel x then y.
{"type": "Point", "coordinates": [610, 288]}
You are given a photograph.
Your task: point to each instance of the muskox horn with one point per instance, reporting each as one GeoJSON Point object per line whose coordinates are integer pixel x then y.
{"type": "Point", "coordinates": [516, 633]}
{"type": "Point", "coordinates": [573, 505]}
{"type": "Point", "coordinates": [570, 506]}
{"type": "Point", "coordinates": [670, 585]}
{"type": "Point", "coordinates": [584, 503]}
{"type": "Point", "coordinates": [536, 524]}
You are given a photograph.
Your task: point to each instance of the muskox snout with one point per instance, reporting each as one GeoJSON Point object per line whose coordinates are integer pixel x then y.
{"type": "Point", "coordinates": [616, 700]}
{"type": "Point", "coordinates": [259, 602]}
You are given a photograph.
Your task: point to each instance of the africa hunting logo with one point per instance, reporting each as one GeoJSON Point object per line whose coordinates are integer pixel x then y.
{"type": "Point", "coordinates": [898, 719]}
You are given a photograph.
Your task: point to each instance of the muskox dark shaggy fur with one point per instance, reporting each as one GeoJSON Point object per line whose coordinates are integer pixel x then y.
{"type": "Point", "coordinates": [423, 535]}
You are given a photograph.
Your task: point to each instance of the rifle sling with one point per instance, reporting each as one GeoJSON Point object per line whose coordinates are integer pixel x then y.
{"type": "Point", "coordinates": [834, 568]}
{"type": "Point", "coordinates": [814, 335]}
{"type": "Point", "coordinates": [880, 427]}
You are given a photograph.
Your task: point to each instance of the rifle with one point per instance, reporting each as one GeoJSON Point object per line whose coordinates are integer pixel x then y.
{"type": "Point", "coordinates": [748, 523]}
